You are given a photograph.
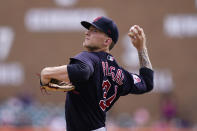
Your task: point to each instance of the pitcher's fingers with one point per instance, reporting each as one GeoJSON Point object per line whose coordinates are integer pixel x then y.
{"type": "Point", "coordinates": [131, 35]}
{"type": "Point", "coordinates": [139, 29]}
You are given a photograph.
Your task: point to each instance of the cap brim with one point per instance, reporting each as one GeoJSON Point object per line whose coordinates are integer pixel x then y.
{"type": "Point", "coordinates": [88, 24]}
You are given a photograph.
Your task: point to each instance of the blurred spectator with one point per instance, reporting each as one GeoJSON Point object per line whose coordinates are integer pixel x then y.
{"type": "Point", "coordinates": [23, 111]}
{"type": "Point", "coordinates": [57, 124]}
{"type": "Point", "coordinates": [125, 120]}
{"type": "Point", "coordinates": [169, 113]}
{"type": "Point", "coordinates": [168, 106]}
{"type": "Point", "coordinates": [141, 117]}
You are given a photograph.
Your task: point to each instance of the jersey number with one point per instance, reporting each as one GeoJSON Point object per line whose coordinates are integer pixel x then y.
{"type": "Point", "coordinates": [106, 102]}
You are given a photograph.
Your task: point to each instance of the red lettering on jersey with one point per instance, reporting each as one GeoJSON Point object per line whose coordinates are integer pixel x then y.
{"type": "Point", "coordinates": [113, 75]}
{"type": "Point", "coordinates": [105, 68]}
{"type": "Point", "coordinates": [111, 72]}
{"type": "Point", "coordinates": [119, 76]}
{"type": "Point", "coordinates": [104, 95]}
{"type": "Point", "coordinates": [102, 105]}
{"type": "Point", "coordinates": [103, 64]}
{"type": "Point", "coordinates": [107, 102]}
{"type": "Point", "coordinates": [106, 85]}
{"type": "Point", "coordinates": [122, 78]}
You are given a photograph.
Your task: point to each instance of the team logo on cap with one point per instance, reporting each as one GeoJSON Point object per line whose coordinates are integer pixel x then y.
{"type": "Point", "coordinates": [109, 31]}
{"type": "Point", "coordinates": [96, 19]}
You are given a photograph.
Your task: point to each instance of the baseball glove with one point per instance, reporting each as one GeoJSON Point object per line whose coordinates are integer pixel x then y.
{"type": "Point", "coordinates": [55, 85]}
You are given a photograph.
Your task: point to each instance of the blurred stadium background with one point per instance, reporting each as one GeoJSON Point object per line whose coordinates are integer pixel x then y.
{"type": "Point", "coordinates": [35, 34]}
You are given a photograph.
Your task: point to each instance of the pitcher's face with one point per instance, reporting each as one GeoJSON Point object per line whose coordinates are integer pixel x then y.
{"type": "Point", "coordinates": [94, 39]}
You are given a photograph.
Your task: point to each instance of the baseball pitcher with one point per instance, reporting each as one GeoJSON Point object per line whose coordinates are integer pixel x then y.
{"type": "Point", "coordinates": [93, 79]}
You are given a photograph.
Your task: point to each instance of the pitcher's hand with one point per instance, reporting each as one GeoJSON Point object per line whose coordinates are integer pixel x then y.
{"type": "Point", "coordinates": [138, 37]}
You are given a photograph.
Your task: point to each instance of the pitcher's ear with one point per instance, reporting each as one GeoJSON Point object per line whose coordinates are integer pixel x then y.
{"type": "Point", "coordinates": [108, 41]}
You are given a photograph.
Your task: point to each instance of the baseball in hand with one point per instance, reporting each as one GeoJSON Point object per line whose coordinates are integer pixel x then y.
{"type": "Point", "coordinates": [133, 30]}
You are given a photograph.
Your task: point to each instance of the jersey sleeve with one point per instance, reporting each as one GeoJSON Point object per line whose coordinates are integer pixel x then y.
{"type": "Point", "coordinates": [81, 67]}
{"type": "Point", "coordinates": [138, 84]}
{"type": "Point", "coordinates": [79, 71]}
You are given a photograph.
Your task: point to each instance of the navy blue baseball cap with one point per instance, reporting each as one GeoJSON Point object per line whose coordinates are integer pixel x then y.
{"type": "Point", "coordinates": [104, 24]}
